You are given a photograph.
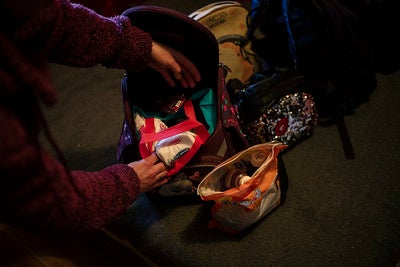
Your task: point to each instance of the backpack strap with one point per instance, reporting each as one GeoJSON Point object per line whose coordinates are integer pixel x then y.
{"type": "Point", "coordinates": [344, 137]}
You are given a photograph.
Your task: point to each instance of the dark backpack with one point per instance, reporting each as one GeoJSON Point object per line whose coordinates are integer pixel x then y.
{"type": "Point", "coordinates": [325, 40]}
{"type": "Point", "coordinates": [329, 42]}
{"type": "Point", "coordinates": [383, 22]}
{"type": "Point", "coordinates": [148, 91]}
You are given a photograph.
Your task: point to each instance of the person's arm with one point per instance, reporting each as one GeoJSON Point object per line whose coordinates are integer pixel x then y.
{"type": "Point", "coordinates": [36, 189]}
{"type": "Point", "coordinates": [74, 35]}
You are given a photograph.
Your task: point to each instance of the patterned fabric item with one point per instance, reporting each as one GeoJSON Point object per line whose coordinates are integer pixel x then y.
{"type": "Point", "coordinates": [277, 108]}
{"type": "Point", "coordinates": [291, 119]}
{"type": "Point", "coordinates": [227, 20]}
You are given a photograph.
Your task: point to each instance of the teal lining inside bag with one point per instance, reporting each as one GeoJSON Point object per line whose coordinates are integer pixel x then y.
{"type": "Point", "coordinates": [204, 102]}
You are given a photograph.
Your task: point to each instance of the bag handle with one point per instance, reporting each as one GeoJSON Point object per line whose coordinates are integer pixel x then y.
{"type": "Point", "coordinates": [149, 136]}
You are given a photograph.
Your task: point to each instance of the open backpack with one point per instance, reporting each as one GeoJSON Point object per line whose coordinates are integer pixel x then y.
{"type": "Point", "coordinates": [202, 123]}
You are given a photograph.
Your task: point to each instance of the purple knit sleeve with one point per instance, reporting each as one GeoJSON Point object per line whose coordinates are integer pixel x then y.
{"type": "Point", "coordinates": [36, 189]}
{"type": "Point", "coordinates": [74, 35]}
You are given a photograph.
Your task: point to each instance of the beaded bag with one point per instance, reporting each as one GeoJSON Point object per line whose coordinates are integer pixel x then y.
{"type": "Point", "coordinates": [278, 107]}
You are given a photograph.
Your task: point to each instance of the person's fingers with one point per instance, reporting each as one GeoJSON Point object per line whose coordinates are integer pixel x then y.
{"type": "Point", "coordinates": [163, 180]}
{"type": "Point", "coordinates": [183, 81]}
{"type": "Point", "coordinates": [157, 166]}
{"type": "Point", "coordinates": [187, 73]}
{"type": "Point", "coordinates": [167, 76]}
{"type": "Point", "coordinates": [161, 175]}
{"type": "Point", "coordinates": [174, 66]}
{"type": "Point", "coordinates": [175, 69]}
{"type": "Point", "coordinates": [160, 168]}
{"type": "Point", "coordinates": [152, 159]}
{"type": "Point", "coordinates": [189, 68]}
{"type": "Point", "coordinates": [188, 78]}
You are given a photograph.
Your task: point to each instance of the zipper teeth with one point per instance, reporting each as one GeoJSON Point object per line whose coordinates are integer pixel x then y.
{"type": "Point", "coordinates": [285, 87]}
{"type": "Point", "coordinates": [279, 89]}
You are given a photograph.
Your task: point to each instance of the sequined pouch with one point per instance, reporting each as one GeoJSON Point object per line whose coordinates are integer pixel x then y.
{"type": "Point", "coordinates": [277, 108]}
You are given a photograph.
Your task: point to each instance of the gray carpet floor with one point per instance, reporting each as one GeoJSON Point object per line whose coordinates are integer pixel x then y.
{"type": "Point", "coordinates": [338, 212]}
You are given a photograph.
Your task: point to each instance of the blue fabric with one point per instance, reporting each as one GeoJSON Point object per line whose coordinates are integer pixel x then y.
{"type": "Point", "coordinates": [292, 44]}
{"type": "Point", "coordinates": [207, 102]}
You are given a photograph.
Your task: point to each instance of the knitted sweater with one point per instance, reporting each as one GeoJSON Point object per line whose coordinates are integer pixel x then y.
{"type": "Point", "coordinates": [35, 187]}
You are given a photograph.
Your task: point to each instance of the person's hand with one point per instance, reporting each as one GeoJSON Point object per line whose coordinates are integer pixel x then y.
{"type": "Point", "coordinates": [151, 172]}
{"type": "Point", "coordinates": [173, 65]}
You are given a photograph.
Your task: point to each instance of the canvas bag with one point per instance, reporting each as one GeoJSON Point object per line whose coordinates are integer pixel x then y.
{"type": "Point", "coordinates": [240, 204]}
{"type": "Point", "coordinates": [188, 36]}
{"type": "Point", "coordinates": [227, 20]}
